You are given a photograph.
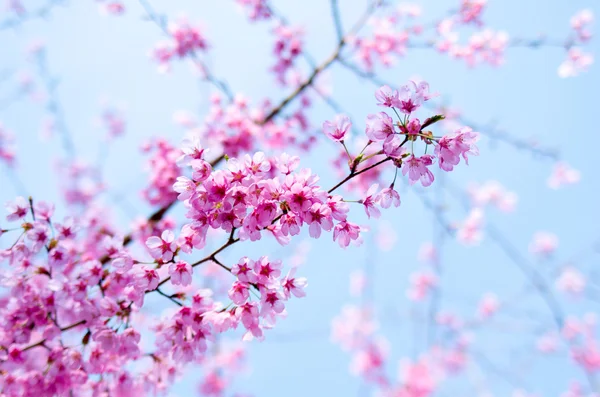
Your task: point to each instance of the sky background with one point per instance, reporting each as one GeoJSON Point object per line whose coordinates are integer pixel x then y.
{"type": "Point", "coordinates": [97, 57]}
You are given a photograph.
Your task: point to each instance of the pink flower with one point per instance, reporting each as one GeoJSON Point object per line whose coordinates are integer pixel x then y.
{"type": "Point", "coordinates": [492, 192]}
{"type": "Point", "coordinates": [387, 97]}
{"type": "Point", "coordinates": [392, 146]}
{"type": "Point", "coordinates": [213, 384]}
{"type": "Point", "coordinates": [293, 285]}
{"type": "Point", "coordinates": [563, 174]}
{"type": "Point", "coordinates": [577, 61]}
{"type": "Point", "coordinates": [43, 210]}
{"type": "Point", "coordinates": [379, 126]}
{"type": "Point", "coordinates": [389, 196]}
{"type": "Point", "coordinates": [413, 127]}
{"type": "Point", "coordinates": [185, 187]}
{"type": "Point", "coordinates": [191, 149]}
{"type": "Point", "coordinates": [451, 147]}
{"type": "Point", "coordinates": [244, 270]}
{"type": "Point", "coordinates": [416, 168]}
{"type": "Point", "coordinates": [409, 101]}
{"type": "Point", "coordinates": [181, 273]}
{"type": "Point", "coordinates": [338, 207]}
{"type": "Point", "coordinates": [488, 305]}
{"type": "Point", "coordinates": [257, 9]}
{"type": "Point", "coordinates": [345, 232]}
{"type": "Point", "coordinates": [272, 302]}
{"type": "Point", "coordinates": [287, 164]}
{"type": "Point", "coordinates": [38, 236]}
{"type": "Point", "coordinates": [421, 285]}
{"type": "Point", "coordinates": [370, 200]}
{"type": "Point", "coordinates": [257, 164]}
{"type": "Point", "coordinates": [266, 270]}
{"type": "Point", "coordinates": [579, 23]}
{"type": "Point", "coordinates": [470, 231]}
{"type": "Point", "coordinates": [571, 281]}
{"type": "Point", "coordinates": [319, 217]}
{"type": "Point", "coordinates": [239, 292]}
{"type": "Point", "coordinates": [201, 170]}
{"type": "Point", "coordinates": [419, 379]}
{"type": "Point", "coordinates": [543, 244]}
{"type": "Point", "coordinates": [162, 247]}
{"type": "Point", "coordinates": [337, 129]}
{"type": "Point", "coordinates": [17, 209]}
{"type": "Point", "coordinates": [147, 279]}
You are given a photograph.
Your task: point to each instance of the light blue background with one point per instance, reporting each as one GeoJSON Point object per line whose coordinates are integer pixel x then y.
{"type": "Point", "coordinates": [98, 57]}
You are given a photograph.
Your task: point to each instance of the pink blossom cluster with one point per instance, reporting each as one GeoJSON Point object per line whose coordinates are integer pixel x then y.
{"type": "Point", "coordinates": [489, 305]}
{"type": "Point", "coordinates": [60, 299]}
{"type": "Point", "coordinates": [580, 23]}
{"type": "Point", "coordinates": [421, 284]}
{"type": "Point", "coordinates": [417, 379]}
{"type": "Point", "coordinates": [470, 231]}
{"type": "Point", "coordinates": [471, 10]}
{"type": "Point", "coordinates": [222, 369]}
{"type": "Point", "coordinates": [386, 41]}
{"type": "Point", "coordinates": [287, 48]}
{"type": "Point", "coordinates": [571, 281]}
{"type": "Point", "coordinates": [584, 346]}
{"type": "Point", "coordinates": [185, 335]}
{"type": "Point", "coordinates": [236, 128]}
{"type": "Point", "coordinates": [486, 46]}
{"type": "Point", "coordinates": [163, 172]}
{"type": "Point", "coordinates": [388, 138]}
{"type": "Point", "coordinates": [492, 192]}
{"type": "Point", "coordinates": [355, 331]}
{"type": "Point", "coordinates": [578, 60]}
{"type": "Point", "coordinates": [80, 182]}
{"type": "Point", "coordinates": [563, 174]}
{"type": "Point", "coordinates": [75, 295]}
{"type": "Point", "coordinates": [256, 9]}
{"type": "Point", "coordinates": [185, 40]}
{"type": "Point", "coordinates": [257, 194]}
{"type": "Point", "coordinates": [543, 244]}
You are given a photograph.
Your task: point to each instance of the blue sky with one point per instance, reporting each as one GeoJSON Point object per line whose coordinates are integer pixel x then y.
{"type": "Point", "coordinates": [99, 57]}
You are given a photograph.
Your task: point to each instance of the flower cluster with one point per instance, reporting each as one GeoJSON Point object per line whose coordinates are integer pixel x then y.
{"type": "Point", "coordinates": [543, 244]}
{"type": "Point", "coordinates": [256, 9]}
{"type": "Point", "coordinates": [580, 23]}
{"type": "Point", "coordinates": [580, 333]}
{"type": "Point", "coordinates": [184, 336]}
{"type": "Point", "coordinates": [578, 60]}
{"type": "Point", "coordinates": [355, 331]}
{"type": "Point", "coordinates": [386, 41]}
{"type": "Point", "coordinates": [563, 174]}
{"type": "Point", "coordinates": [492, 192]}
{"type": "Point", "coordinates": [288, 46]}
{"type": "Point", "coordinates": [255, 195]}
{"type": "Point", "coordinates": [471, 10]}
{"type": "Point", "coordinates": [185, 40]}
{"type": "Point", "coordinates": [486, 46]}
{"type": "Point", "coordinates": [388, 138]}
{"type": "Point", "coordinates": [163, 172]}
